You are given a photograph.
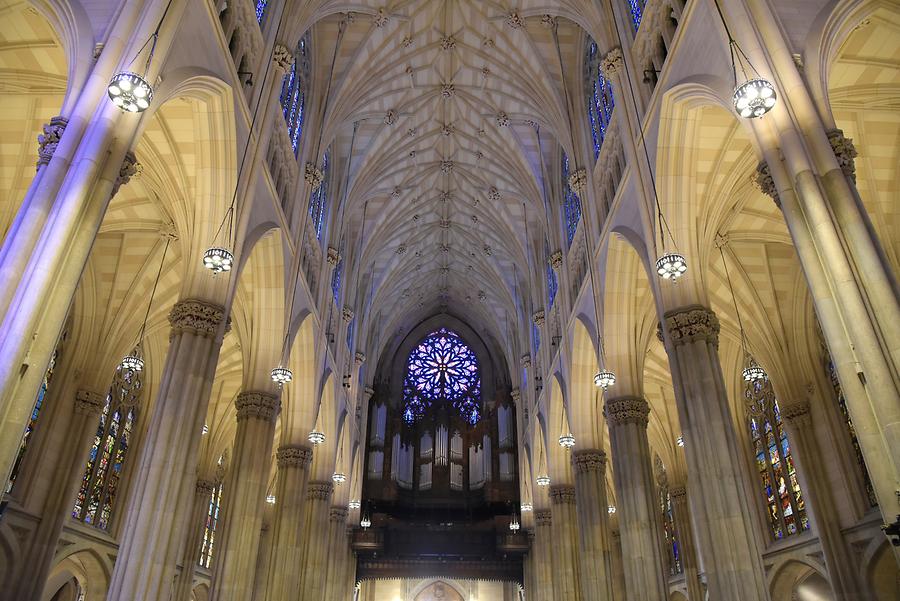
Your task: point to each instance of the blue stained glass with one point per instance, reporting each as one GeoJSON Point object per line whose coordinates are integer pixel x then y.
{"type": "Point", "coordinates": [443, 369]}
{"type": "Point", "coordinates": [318, 199]}
{"type": "Point", "coordinates": [637, 11]}
{"type": "Point", "coordinates": [350, 334]}
{"type": "Point", "coordinates": [600, 100]}
{"type": "Point", "coordinates": [536, 336]}
{"type": "Point", "coordinates": [261, 10]}
{"type": "Point", "coordinates": [571, 206]}
{"type": "Point", "coordinates": [336, 280]}
{"type": "Point", "coordinates": [294, 90]}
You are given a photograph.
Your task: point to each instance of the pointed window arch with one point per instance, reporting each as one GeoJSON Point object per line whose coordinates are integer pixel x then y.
{"type": "Point", "coordinates": [294, 90]}
{"type": "Point", "coordinates": [785, 503]}
{"type": "Point", "coordinates": [318, 199]}
{"type": "Point", "coordinates": [261, 6]}
{"type": "Point", "coordinates": [600, 100]}
{"type": "Point", "coordinates": [636, 7]}
{"type": "Point", "coordinates": [336, 277]}
{"type": "Point", "coordinates": [552, 281]}
{"type": "Point", "coordinates": [673, 547]}
{"type": "Point", "coordinates": [571, 203]}
{"type": "Point", "coordinates": [97, 495]}
{"type": "Point", "coordinates": [209, 526]}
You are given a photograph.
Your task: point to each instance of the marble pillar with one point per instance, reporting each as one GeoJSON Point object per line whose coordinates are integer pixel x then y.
{"type": "Point", "coordinates": [38, 552]}
{"type": "Point", "coordinates": [617, 565]}
{"type": "Point", "coordinates": [196, 527]}
{"type": "Point", "coordinates": [728, 540]}
{"type": "Point", "coordinates": [638, 508]}
{"type": "Point", "coordinates": [234, 563]}
{"type": "Point", "coordinates": [287, 528]}
{"type": "Point", "coordinates": [564, 530]}
{"type": "Point", "coordinates": [543, 543]}
{"type": "Point", "coordinates": [335, 583]}
{"type": "Point", "coordinates": [160, 502]}
{"type": "Point", "coordinates": [315, 557]}
{"type": "Point", "coordinates": [593, 523]}
{"type": "Point", "coordinates": [687, 546]}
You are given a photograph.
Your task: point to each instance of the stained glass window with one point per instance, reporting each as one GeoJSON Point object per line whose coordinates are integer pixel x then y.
{"type": "Point", "coordinates": [637, 11]}
{"type": "Point", "coordinates": [100, 483]}
{"type": "Point", "coordinates": [668, 518]}
{"type": "Point", "coordinates": [552, 284]}
{"type": "Point", "coordinates": [32, 422]}
{"type": "Point", "coordinates": [261, 6]}
{"type": "Point", "coordinates": [209, 527]}
{"type": "Point", "coordinates": [571, 202]}
{"type": "Point", "coordinates": [294, 90]}
{"type": "Point", "coordinates": [785, 503]}
{"type": "Point", "coordinates": [536, 337]}
{"type": "Point", "coordinates": [831, 372]}
{"type": "Point", "coordinates": [600, 102]}
{"type": "Point", "coordinates": [443, 369]}
{"type": "Point", "coordinates": [336, 276]}
{"type": "Point", "coordinates": [318, 199]}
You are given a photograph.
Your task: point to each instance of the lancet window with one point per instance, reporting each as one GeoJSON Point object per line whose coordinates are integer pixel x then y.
{"type": "Point", "coordinates": [637, 12]}
{"type": "Point", "coordinates": [318, 199]}
{"type": "Point", "coordinates": [785, 503]}
{"type": "Point", "coordinates": [294, 90]}
{"type": "Point", "coordinates": [209, 527]}
{"type": "Point", "coordinates": [600, 100]}
{"type": "Point", "coordinates": [673, 549]}
{"type": "Point", "coordinates": [571, 203]}
{"type": "Point", "coordinates": [97, 495]}
{"type": "Point", "coordinates": [261, 6]}
{"type": "Point", "coordinates": [552, 281]}
{"type": "Point", "coordinates": [336, 277]}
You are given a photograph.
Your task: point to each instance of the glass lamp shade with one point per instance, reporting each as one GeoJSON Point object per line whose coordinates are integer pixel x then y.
{"type": "Point", "coordinates": [218, 259]}
{"type": "Point", "coordinates": [338, 477]}
{"type": "Point", "coordinates": [611, 509]}
{"type": "Point", "coordinates": [671, 266]}
{"type": "Point", "coordinates": [132, 362]}
{"type": "Point", "coordinates": [543, 480]}
{"type": "Point", "coordinates": [680, 441]}
{"type": "Point", "coordinates": [270, 499]}
{"type": "Point", "coordinates": [567, 441]}
{"type": "Point", "coordinates": [130, 92]}
{"type": "Point", "coordinates": [282, 375]}
{"type": "Point", "coordinates": [527, 507]}
{"type": "Point", "coordinates": [205, 430]}
{"type": "Point", "coordinates": [365, 522]}
{"type": "Point", "coordinates": [354, 504]}
{"type": "Point", "coordinates": [754, 98]}
{"type": "Point", "coordinates": [316, 437]}
{"type": "Point", "coordinates": [604, 379]}
{"type": "Point", "coordinates": [514, 524]}
{"type": "Point", "coordinates": [753, 372]}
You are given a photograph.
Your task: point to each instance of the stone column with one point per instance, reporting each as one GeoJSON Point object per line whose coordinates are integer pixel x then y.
{"type": "Point", "coordinates": [335, 584]}
{"type": "Point", "coordinates": [234, 564]}
{"type": "Point", "coordinates": [617, 566]}
{"type": "Point", "coordinates": [543, 542]}
{"type": "Point", "coordinates": [639, 518]}
{"type": "Point", "coordinates": [164, 479]}
{"type": "Point", "coordinates": [564, 530]}
{"type": "Point", "coordinates": [820, 502]}
{"type": "Point", "coordinates": [684, 534]}
{"type": "Point", "coordinates": [593, 524]}
{"type": "Point", "coordinates": [37, 556]}
{"type": "Point", "coordinates": [315, 557]}
{"type": "Point", "coordinates": [287, 537]}
{"type": "Point", "coordinates": [727, 538]}
{"type": "Point", "coordinates": [196, 526]}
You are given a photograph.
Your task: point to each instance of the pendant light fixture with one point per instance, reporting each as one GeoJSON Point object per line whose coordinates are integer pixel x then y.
{"type": "Point", "coordinates": [130, 91]}
{"type": "Point", "coordinates": [566, 440]}
{"type": "Point", "coordinates": [543, 479]}
{"type": "Point", "coordinates": [604, 378]}
{"type": "Point", "coordinates": [134, 361]}
{"type": "Point", "coordinates": [316, 437]}
{"type": "Point", "coordinates": [752, 371]}
{"type": "Point", "coordinates": [366, 520]}
{"type": "Point", "coordinates": [514, 524]}
{"type": "Point", "coordinates": [754, 96]}
{"type": "Point", "coordinates": [339, 477]}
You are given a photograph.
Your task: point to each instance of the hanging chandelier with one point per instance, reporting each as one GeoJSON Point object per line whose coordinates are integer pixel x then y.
{"type": "Point", "coordinates": [282, 375]}
{"type": "Point", "coordinates": [339, 477]}
{"type": "Point", "coordinates": [671, 265]}
{"type": "Point", "coordinates": [611, 509]}
{"type": "Point", "coordinates": [218, 259]}
{"type": "Point", "coordinates": [527, 507]}
{"type": "Point", "coordinates": [316, 437]}
{"type": "Point", "coordinates": [752, 371]}
{"type": "Point", "coordinates": [354, 504]}
{"type": "Point", "coordinates": [567, 441]}
{"type": "Point", "coordinates": [366, 521]}
{"type": "Point", "coordinates": [604, 379]}
{"type": "Point", "coordinates": [130, 91]}
{"type": "Point", "coordinates": [543, 480]}
{"type": "Point", "coordinates": [270, 499]}
{"type": "Point", "coordinates": [134, 361]}
{"type": "Point", "coordinates": [514, 523]}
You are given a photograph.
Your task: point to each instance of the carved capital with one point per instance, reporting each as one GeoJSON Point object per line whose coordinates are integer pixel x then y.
{"type": "Point", "coordinates": [257, 405]}
{"type": "Point", "coordinates": [538, 317]}
{"type": "Point", "coordinates": [319, 491]}
{"type": "Point", "coordinates": [844, 151]}
{"type": "Point", "coordinates": [543, 517]}
{"type": "Point", "coordinates": [692, 324]}
{"type": "Point", "coordinates": [764, 182]}
{"type": "Point", "coordinates": [613, 62]}
{"type": "Point", "coordinates": [359, 358]}
{"type": "Point", "coordinates": [49, 140]}
{"type": "Point", "coordinates": [205, 488]}
{"type": "Point", "coordinates": [562, 493]}
{"type": "Point", "coordinates": [796, 413]}
{"type": "Point", "coordinates": [333, 257]}
{"type": "Point", "coordinates": [514, 20]}
{"type": "Point", "coordinates": [627, 410]}
{"type": "Point", "coordinates": [337, 514]}
{"type": "Point", "coordinates": [313, 176]}
{"type": "Point", "coordinates": [88, 402]}
{"type": "Point", "coordinates": [526, 360]}
{"type": "Point", "coordinates": [347, 314]}
{"type": "Point", "coordinates": [502, 119]}
{"type": "Point", "coordinates": [293, 456]}
{"type": "Point", "coordinates": [589, 460]}
{"type": "Point", "coordinates": [196, 317]}
{"type": "Point", "coordinates": [578, 180]}
{"type": "Point", "coordinates": [128, 169]}
{"type": "Point", "coordinates": [678, 493]}
{"type": "Point", "coordinates": [556, 260]}
{"type": "Point", "coordinates": [516, 395]}
{"type": "Point", "coordinates": [282, 58]}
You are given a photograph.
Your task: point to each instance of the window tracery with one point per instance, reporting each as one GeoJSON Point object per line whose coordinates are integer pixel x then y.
{"type": "Point", "coordinates": [209, 526]}
{"type": "Point", "coordinates": [294, 90]}
{"type": "Point", "coordinates": [102, 475]}
{"type": "Point", "coordinates": [318, 199]}
{"type": "Point", "coordinates": [785, 504]}
{"type": "Point", "coordinates": [261, 6]}
{"type": "Point", "coordinates": [673, 549]}
{"type": "Point", "coordinates": [443, 369]}
{"type": "Point", "coordinates": [336, 277]}
{"type": "Point", "coordinates": [637, 12]}
{"type": "Point", "coordinates": [600, 99]}
{"type": "Point", "coordinates": [571, 204]}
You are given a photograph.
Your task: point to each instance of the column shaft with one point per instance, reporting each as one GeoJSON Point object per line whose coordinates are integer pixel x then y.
{"type": "Point", "coordinates": [234, 565]}
{"type": "Point", "coordinates": [687, 547]}
{"type": "Point", "coordinates": [564, 529]}
{"type": "Point", "coordinates": [593, 523]}
{"type": "Point", "coordinates": [196, 525]}
{"type": "Point", "coordinates": [335, 585]}
{"type": "Point", "coordinates": [639, 517]}
{"type": "Point", "coordinates": [315, 557]}
{"type": "Point", "coordinates": [543, 542]}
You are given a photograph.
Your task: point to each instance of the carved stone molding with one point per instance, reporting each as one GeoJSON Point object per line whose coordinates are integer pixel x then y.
{"type": "Point", "coordinates": [293, 456]}
{"type": "Point", "coordinates": [359, 358]}
{"type": "Point", "coordinates": [257, 405]}
{"type": "Point", "coordinates": [543, 517]}
{"type": "Point", "coordinates": [589, 460]}
{"type": "Point", "coordinates": [556, 260]}
{"type": "Point", "coordinates": [282, 57]}
{"type": "Point", "coordinates": [526, 360]}
{"type": "Point", "coordinates": [613, 62]}
{"type": "Point", "coordinates": [764, 182]}
{"type": "Point", "coordinates": [347, 314]}
{"type": "Point", "coordinates": [205, 488]}
{"type": "Point", "coordinates": [562, 493]}
{"type": "Point", "coordinates": [677, 492]}
{"type": "Point", "coordinates": [333, 257]}
{"type": "Point", "coordinates": [381, 18]}
{"type": "Point", "coordinates": [390, 117]}
{"type": "Point", "coordinates": [798, 413]}
{"type": "Point", "coordinates": [538, 317]}
{"type": "Point", "coordinates": [338, 514]}
{"type": "Point", "coordinates": [319, 491]}
{"type": "Point", "coordinates": [692, 324]}
{"type": "Point", "coordinates": [502, 119]}
{"type": "Point", "coordinates": [88, 402]}
{"type": "Point", "coordinates": [514, 20]}
{"type": "Point", "coordinates": [516, 395]}
{"type": "Point", "coordinates": [129, 168]}
{"type": "Point", "coordinates": [493, 194]}
{"type": "Point", "coordinates": [627, 410]}
{"type": "Point", "coordinates": [196, 317]}
{"type": "Point", "coordinates": [578, 180]}
{"type": "Point", "coordinates": [313, 176]}
{"type": "Point", "coordinates": [844, 151]}
{"type": "Point", "coordinates": [49, 140]}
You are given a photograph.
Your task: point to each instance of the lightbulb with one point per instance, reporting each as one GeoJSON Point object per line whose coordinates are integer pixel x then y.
{"type": "Point", "coordinates": [604, 379]}
{"type": "Point", "coordinates": [218, 259]}
{"type": "Point", "coordinates": [282, 375]}
{"type": "Point", "coordinates": [754, 98]}
{"type": "Point", "coordinates": [671, 266]}
{"type": "Point", "coordinates": [130, 92]}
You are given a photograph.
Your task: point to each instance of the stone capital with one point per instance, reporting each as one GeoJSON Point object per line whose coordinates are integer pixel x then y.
{"type": "Point", "coordinates": [765, 184]}
{"type": "Point", "coordinates": [613, 62]}
{"type": "Point", "coordinates": [333, 257]}
{"type": "Point", "coordinates": [543, 517]}
{"type": "Point", "coordinates": [196, 317]}
{"type": "Point", "coordinates": [320, 491]}
{"type": "Point", "coordinates": [204, 488]}
{"type": "Point", "coordinates": [257, 405]}
{"type": "Point", "coordinates": [556, 260]}
{"type": "Point", "coordinates": [538, 317]}
{"type": "Point", "coordinates": [88, 402]}
{"type": "Point", "coordinates": [562, 493]}
{"type": "Point", "coordinates": [678, 493]}
{"type": "Point", "coordinates": [49, 140]}
{"type": "Point", "coordinates": [293, 456]}
{"type": "Point", "coordinates": [526, 360]}
{"type": "Point", "coordinates": [589, 460]}
{"type": "Point", "coordinates": [347, 314]}
{"type": "Point", "coordinates": [796, 413]}
{"type": "Point", "coordinates": [338, 514]}
{"type": "Point", "coordinates": [627, 410]}
{"type": "Point", "coordinates": [692, 324]}
{"type": "Point", "coordinates": [282, 57]}
{"type": "Point", "coordinates": [844, 151]}
{"type": "Point", "coordinates": [359, 358]}
{"type": "Point", "coordinates": [516, 395]}
{"type": "Point", "coordinates": [129, 168]}
{"type": "Point", "coordinates": [578, 180]}
{"type": "Point", "coordinates": [313, 176]}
